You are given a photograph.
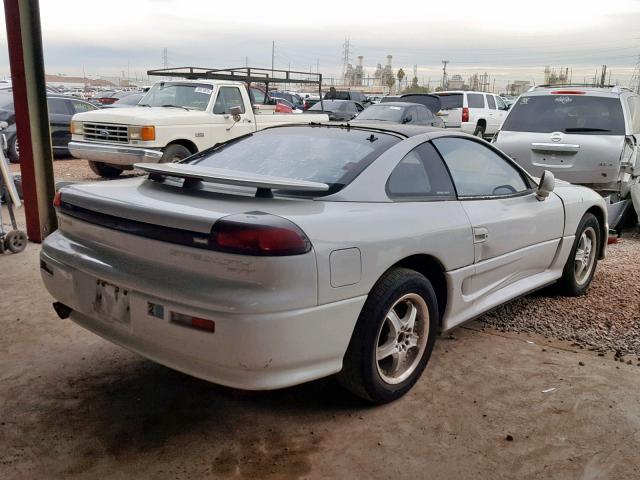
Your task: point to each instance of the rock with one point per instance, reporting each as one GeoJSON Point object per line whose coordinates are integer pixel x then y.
{"type": "Point", "coordinates": [581, 364]}
{"type": "Point", "coordinates": [509, 438]}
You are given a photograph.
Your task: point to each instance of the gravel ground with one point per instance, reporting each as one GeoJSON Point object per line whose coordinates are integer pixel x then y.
{"type": "Point", "coordinates": [73, 170]}
{"type": "Point", "coordinates": [606, 319]}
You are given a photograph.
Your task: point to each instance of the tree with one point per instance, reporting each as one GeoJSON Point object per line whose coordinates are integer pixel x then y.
{"type": "Point", "coordinates": [414, 82]}
{"type": "Point", "coordinates": [391, 81]}
{"type": "Point", "coordinates": [400, 76]}
{"type": "Point", "coordinates": [416, 89]}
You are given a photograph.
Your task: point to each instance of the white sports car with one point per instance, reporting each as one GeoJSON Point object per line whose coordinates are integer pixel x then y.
{"type": "Point", "coordinates": [304, 251]}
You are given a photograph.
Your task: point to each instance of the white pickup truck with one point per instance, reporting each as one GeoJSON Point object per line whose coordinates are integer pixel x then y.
{"type": "Point", "coordinates": [173, 120]}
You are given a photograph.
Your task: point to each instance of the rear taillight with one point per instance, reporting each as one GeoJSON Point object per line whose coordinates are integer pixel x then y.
{"type": "Point", "coordinates": [258, 234]}
{"type": "Point", "coordinates": [57, 199]}
{"type": "Point", "coordinates": [568, 92]}
{"type": "Point", "coordinates": [465, 114]}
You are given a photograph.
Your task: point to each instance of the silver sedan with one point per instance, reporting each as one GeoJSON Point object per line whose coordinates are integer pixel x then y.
{"type": "Point", "coordinates": [304, 251]}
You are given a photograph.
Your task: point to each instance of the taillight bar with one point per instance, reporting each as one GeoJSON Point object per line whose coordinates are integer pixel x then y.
{"type": "Point", "coordinates": [258, 234]}
{"type": "Point", "coordinates": [568, 92]}
{"type": "Point", "coordinates": [465, 114]}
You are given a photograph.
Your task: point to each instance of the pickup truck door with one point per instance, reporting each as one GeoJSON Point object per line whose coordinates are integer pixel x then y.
{"type": "Point", "coordinates": [224, 127]}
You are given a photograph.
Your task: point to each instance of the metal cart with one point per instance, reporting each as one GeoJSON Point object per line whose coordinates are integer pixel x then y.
{"type": "Point", "coordinates": [13, 240]}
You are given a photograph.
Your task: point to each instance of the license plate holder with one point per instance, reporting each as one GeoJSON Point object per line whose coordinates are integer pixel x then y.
{"type": "Point", "coordinates": [112, 302]}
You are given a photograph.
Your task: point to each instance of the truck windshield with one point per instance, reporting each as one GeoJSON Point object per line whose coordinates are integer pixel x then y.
{"type": "Point", "coordinates": [175, 94]}
{"type": "Point", "coordinates": [584, 115]}
{"type": "Point", "coordinates": [337, 157]}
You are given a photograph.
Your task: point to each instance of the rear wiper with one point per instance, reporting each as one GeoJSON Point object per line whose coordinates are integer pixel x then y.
{"type": "Point", "coordinates": [586, 129]}
{"type": "Point", "coordinates": [176, 106]}
{"type": "Point", "coordinates": [143, 105]}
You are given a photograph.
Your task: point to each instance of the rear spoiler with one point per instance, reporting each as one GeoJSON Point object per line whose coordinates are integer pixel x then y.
{"type": "Point", "coordinates": [263, 183]}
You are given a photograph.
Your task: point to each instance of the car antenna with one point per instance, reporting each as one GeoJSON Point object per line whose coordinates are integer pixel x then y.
{"type": "Point", "coordinates": [372, 138]}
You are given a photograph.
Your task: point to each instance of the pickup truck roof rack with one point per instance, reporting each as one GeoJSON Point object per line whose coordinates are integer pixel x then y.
{"type": "Point", "coordinates": [248, 75]}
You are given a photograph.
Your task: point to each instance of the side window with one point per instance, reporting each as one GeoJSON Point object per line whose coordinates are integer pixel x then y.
{"type": "Point", "coordinates": [258, 95]}
{"type": "Point", "coordinates": [423, 116]}
{"type": "Point", "coordinates": [79, 107]}
{"type": "Point", "coordinates": [359, 107]}
{"type": "Point", "coordinates": [501, 104]}
{"type": "Point", "coordinates": [421, 174]}
{"type": "Point", "coordinates": [477, 170]}
{"type": "Point", "coordinates": [228, 97]}
{"type": "Point", "coordinates": [58, 106]}
{"type": "Point", "coordinates": [475, 100]}
{"type": "Point", "coordinates": [491, 101]}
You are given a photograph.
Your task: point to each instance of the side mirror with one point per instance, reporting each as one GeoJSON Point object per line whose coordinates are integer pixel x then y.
{"type": "Point", "coordinates": [235, 113]}
{"type": "Point", "coordinates": [546, 185]}
{"type": "Point", "coordinates": [407, 119]}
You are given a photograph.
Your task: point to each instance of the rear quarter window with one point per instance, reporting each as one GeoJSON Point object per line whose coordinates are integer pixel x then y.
{"type": "Point", "coordinates": [475, 100]}
{"type": "Point", "coordinates": [450, 101]}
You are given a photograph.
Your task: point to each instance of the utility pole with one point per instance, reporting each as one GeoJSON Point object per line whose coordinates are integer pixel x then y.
{"type": "Point", "coordinates": [444, 74]}
{"type": "Point", "coordinates": [273, 55]}
{"type": "Point", "coordinates": [165, 58]}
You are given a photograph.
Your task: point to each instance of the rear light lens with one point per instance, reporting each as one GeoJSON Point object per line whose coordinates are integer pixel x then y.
{"type": "Point", "coordinates": [57, 199]}
{"type": "Point", "coordinates": [465, 114]}
{"type": "Point", "coordinates": [258, 234]}
{"type": "Point", "coordinates": [568, 92]}
{"type": "Point", "coordinates": [193, 322]}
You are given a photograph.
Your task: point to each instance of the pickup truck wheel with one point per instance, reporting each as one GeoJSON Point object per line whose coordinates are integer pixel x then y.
{"type": "Point", "coordinates": [583, 259]}
{"type": "Point", "coordinates": [479, 131]}
{"type": "Point", "coordinates": [174, 152]}
{"type": "Point", "coordinates": [393, 338]}
{"type": "Point", "coordinates": [104, 170]}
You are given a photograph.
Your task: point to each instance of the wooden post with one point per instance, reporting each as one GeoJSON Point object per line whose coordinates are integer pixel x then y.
{"type": "Point", "coordinates": [32, 120]}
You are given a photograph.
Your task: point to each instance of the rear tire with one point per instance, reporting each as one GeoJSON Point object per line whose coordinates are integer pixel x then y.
{"type": "Point", "coordinates": [104, 170]}
{"type": "Point", "coordinates": [479, 131]}
{"type": "Point", "coordinates": [583, 259]}
{"type": "Point", "coordinates": [388, 350]}
{"type": "Point", "coordinates": [174, 152]}
{"type": "Point", "coordinates": [15, 241]}
{"type": "Point", "coordinates": [14, 150]}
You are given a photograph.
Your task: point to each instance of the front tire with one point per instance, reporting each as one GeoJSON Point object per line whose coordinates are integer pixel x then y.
{"type": "Point", "coordinates": [174, 153]}
{"type": "Point", "coordinates": [581, 265]}
{"type": "Point", "coordinates": [393, 338]}
{"type": "Point", "coordinates": [104, 170]}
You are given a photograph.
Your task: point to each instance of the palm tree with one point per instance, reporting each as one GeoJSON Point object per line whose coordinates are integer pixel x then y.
{"type": "Point", "coordinates": [400, 75]}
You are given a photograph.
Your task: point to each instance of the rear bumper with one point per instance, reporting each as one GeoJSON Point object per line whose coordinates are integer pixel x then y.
{"type": "Point", "coordinates": [113, 154]}
{"type": "Point", "coordinates": [257, 351]}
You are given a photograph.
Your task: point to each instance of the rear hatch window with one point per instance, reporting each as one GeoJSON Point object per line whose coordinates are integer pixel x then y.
{"type": "Point", "coordinates": [575, 114]}
{"type": "Point", "coordinates": [432, 102]}
{"type": "Point", "coordinates": [337, 157]}
{"type": "Point", "coordinates": [450, 101]}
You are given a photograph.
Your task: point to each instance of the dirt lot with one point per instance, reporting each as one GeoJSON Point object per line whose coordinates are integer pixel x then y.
{"type": "Point", "coordinates": [75, 406]}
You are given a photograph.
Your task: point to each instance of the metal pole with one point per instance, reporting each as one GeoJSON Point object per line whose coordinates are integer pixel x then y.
{"type": "Point", "coordinates": [32, 120]}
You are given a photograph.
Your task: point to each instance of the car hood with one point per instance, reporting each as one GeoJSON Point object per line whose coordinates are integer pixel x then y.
{"type": "Point", "coordinates": [143, 116]}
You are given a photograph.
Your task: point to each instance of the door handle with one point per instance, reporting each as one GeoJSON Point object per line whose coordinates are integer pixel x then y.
{"type": "Point", "coordinates": [480, 234]}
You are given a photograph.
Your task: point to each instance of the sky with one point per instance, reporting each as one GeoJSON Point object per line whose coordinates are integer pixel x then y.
{"type": "Point", "coordinates": [509, 40]}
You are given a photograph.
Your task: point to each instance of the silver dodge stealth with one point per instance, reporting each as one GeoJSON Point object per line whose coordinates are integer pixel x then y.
{"type": "Point", "coordinates": [304, 251]}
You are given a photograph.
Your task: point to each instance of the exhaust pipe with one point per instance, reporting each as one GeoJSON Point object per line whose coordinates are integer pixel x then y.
{"type": "Point", "coordinates": [62, 310]}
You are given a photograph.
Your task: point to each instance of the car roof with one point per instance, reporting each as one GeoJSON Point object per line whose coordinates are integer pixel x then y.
{"type": "Point", "coordinates": [398, 104]}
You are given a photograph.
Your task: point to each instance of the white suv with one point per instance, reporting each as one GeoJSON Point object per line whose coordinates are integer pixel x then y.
{"type": "Point", "coordinates": [477, 113]}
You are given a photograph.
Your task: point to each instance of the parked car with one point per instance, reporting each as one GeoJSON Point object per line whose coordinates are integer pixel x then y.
{"type": "Point", "coordinates": [180, 118]}
{"type": "Point", "coordinates": [293, 98]}
{"type": "Point", "coordinates": [357, 247]}
{"type": "Point", "coordinates": [127, 101]}
{"type": "Point", "coordinates": [104, 97]}
{"type": "Point", "coordinates": [352, 95]}
{"type": "Point", "coordinates": [338, 110]}
{"type": "Point", "coordinates": [477, 113]}
{"type": "Point", "coordinates": [584, 135]}
{"type": "Point", "coordinates": [399, 112]}
{"type": "Point", "coordinates": [290, 107]}
{"type": "Point", "coordinates": [61, 109]}
{"type": "Point", "coordinates": [429, 100]}
{"type": "Point", "coordinates": [309, 101]}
